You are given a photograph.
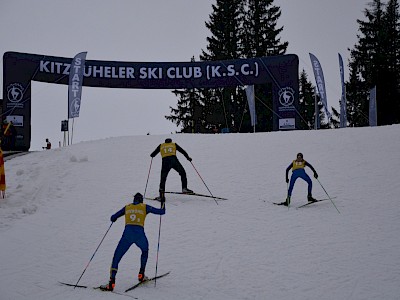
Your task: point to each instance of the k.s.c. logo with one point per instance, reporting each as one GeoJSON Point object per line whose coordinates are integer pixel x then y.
{"type": "Point", "coordinates": [15, 92]}
{"type": "Point", "coordinates": [286, 96]}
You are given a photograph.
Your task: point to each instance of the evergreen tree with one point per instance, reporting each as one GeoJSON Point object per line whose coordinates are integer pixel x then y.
{"type": "Point", "coordinates": [198, 111]}
{"type": "Point", "coordinates": [357, 95]}
{"type": "Point", "coordinates": [239, 29]}
{"type": "Point", "coordinates": [306, 102]}
{"type": "Point", "coordinates": [214, 112]}
{"type": "Point", "coordinates": [259, 37]}
{"type": "Point", "coordinates": [335, 119]}
{"type": "Point", "coordinates": [374, 62]}
{"type": "Point", "coordinates": [224, 25]}
{"type": "Point", "coordinates": [187, 107]}
{"type": "Point", "coordinates": [306, 110]}
{"type": "Point", "coordinates": [189, 111]}
{"type": "Point", "coordinates": [391, 46]}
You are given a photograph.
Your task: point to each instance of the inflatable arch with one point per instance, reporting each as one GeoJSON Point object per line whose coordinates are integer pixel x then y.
{"type": "Point", "coordinates": [19, 69]}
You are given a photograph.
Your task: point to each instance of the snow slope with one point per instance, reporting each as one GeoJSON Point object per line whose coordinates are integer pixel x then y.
{"type": "Point", "coordinates": [60, 201]}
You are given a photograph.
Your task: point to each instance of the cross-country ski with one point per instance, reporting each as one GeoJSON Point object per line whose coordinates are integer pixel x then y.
{"type": "Point", "coordinates": [197, 194]}
{"type": "Point", "coordinates": [306, 204]}
{"type": "Point", "coordinates": [187, 194]}
{"type": "Point", "coordinates": [146, 281]}
{"type": "Point", "coordinates": [96, 288]}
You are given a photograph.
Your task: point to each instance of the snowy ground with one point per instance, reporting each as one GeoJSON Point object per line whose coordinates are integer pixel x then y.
{"type": "Point", "coordinates": [59, 203]}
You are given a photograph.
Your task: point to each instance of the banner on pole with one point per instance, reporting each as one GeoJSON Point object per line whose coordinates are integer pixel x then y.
{"type": "Point", "coordinates": [320, 82]}
{"type": "Point", "coordinates": [252, 105]}
{"type": "Point", "coordinates": [372, 107]}
{"type": "Point", "coordinates": [343, 108]}
{"type": "Point", "coordinates": [75, 84]}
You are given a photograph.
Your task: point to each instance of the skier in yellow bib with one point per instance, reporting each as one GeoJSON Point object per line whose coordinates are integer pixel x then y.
{"type": "Point", "coordinates": [135, 215]}
{"type": "Point", "coordinates": [297, 167]}
{"type": "Point", "coordinates": [170, 161]}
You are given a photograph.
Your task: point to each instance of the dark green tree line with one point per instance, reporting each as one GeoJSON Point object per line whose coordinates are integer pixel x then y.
{"type": "Point", "coordinates": [307, 98]}
{"type": "Point", "coordinates": [375, 61]}
{"type": "Point", "coordinates": [248, 28]}
{"type": "Point", "coordinates": [239, 29]}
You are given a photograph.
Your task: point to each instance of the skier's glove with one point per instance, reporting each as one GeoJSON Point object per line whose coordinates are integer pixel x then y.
{"type": "Point", "coordinates": [189, 159]}
{"type": "Point", "coordinates": [113, 218]}
{"type": "Point", "coordinates": [315, 175]}
{"type": "Point", "coordinates": [287, 180]}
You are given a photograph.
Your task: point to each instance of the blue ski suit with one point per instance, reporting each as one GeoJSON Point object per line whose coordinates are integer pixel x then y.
{"type": "Point", "coordinates": [135, 215]}
{"type": "Point", "coordinates": [299, 172]}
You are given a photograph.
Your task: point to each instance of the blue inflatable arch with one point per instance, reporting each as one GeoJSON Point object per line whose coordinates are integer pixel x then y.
{"type": "Point", "coordinates": [19, 69]}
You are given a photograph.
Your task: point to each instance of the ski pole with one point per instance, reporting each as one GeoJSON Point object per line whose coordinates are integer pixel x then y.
{"type": "Point", "coordinates": [93, 255]}
{"type": "Point", "coordinates": [147, 181]}
{"type": "Point", "coordinates": [158, 247]}
{"type": "Point", "coordinates": [204, 183]}
{"type": "Point", "coordinates": [328, 195]}
{"type": "Point", "coordinates": [287, 195]}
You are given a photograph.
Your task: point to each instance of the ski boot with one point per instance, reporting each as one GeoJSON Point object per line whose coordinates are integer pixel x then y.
{"type": "Point", "coordinates": [186, 191]}
{"type": "Point", "coordinates": [141, 277]}
{"type": "Point", "coordinates": [287, 202]}
{"type": "Point", "coordinates": [161, 196]}
{"type": "Point", "coordinates": [108, 287]}
{"type": "Point", "coordinates": [311, 199]}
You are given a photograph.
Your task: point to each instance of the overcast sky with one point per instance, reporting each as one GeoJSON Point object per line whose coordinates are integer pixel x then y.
{"type": "Point", "coordinates": [151, 31]}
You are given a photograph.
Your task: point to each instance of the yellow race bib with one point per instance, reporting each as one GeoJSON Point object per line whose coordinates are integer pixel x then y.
{"type": "Point", "coordinates": [168, 149]}
{"type": "Point", "coordinates": [135, 214]}
{"type": "Point", "coordinates": [298, 164]}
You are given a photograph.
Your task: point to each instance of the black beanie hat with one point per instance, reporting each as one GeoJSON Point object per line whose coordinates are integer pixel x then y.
{"type": "Point", "coordinates": [168, 140]}
{"type": "Point", "coordinates": [138, 198]}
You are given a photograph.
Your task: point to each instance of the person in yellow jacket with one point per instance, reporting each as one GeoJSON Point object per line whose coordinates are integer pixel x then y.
{"type": "Point", "coordinates": [298, 171]}
{"type": "Point", "coordinates": [135, 215]}
{"type": "Point", "coordinates": [170, 161]}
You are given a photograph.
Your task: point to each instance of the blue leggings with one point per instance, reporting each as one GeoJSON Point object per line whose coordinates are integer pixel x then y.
{"type": "Point", "coordinates": [300, 173]}
{"type": "Point", "coordinates": [131, 235]}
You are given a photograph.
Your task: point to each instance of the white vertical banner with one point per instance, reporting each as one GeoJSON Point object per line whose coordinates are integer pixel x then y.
{"type": "Point", "coordinates": [252, 104]}
{"type": "Point", "coordinates": [75, 84]}
{"type": "Point", "coordinates": [372, 107]}
{"type": "Point", "coordinates": [320, 82]}
{"type": "Point", "coordinates": [343, 108]}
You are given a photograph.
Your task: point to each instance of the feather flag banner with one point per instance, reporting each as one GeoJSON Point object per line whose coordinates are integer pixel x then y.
{"type": "Point", "coordinates": [252, 104]}
{"type": "Point", "coordinates": [75, 84]}
{"type": "Point", "coordinates": [343, 109]}
{"type": "Point", "coordinates": [320, 82]}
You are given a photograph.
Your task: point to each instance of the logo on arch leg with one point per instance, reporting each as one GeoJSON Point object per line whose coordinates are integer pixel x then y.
{"type": "Point", "coordinates": [15, 92]}
{"type": "Point", "coordinates": [286, 96]}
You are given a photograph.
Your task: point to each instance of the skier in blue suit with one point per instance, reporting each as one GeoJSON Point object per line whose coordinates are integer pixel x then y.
{"type": "Point", "coordinates": [298, 171]}
{"type": "Point", "coordinates": [135, 215]}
